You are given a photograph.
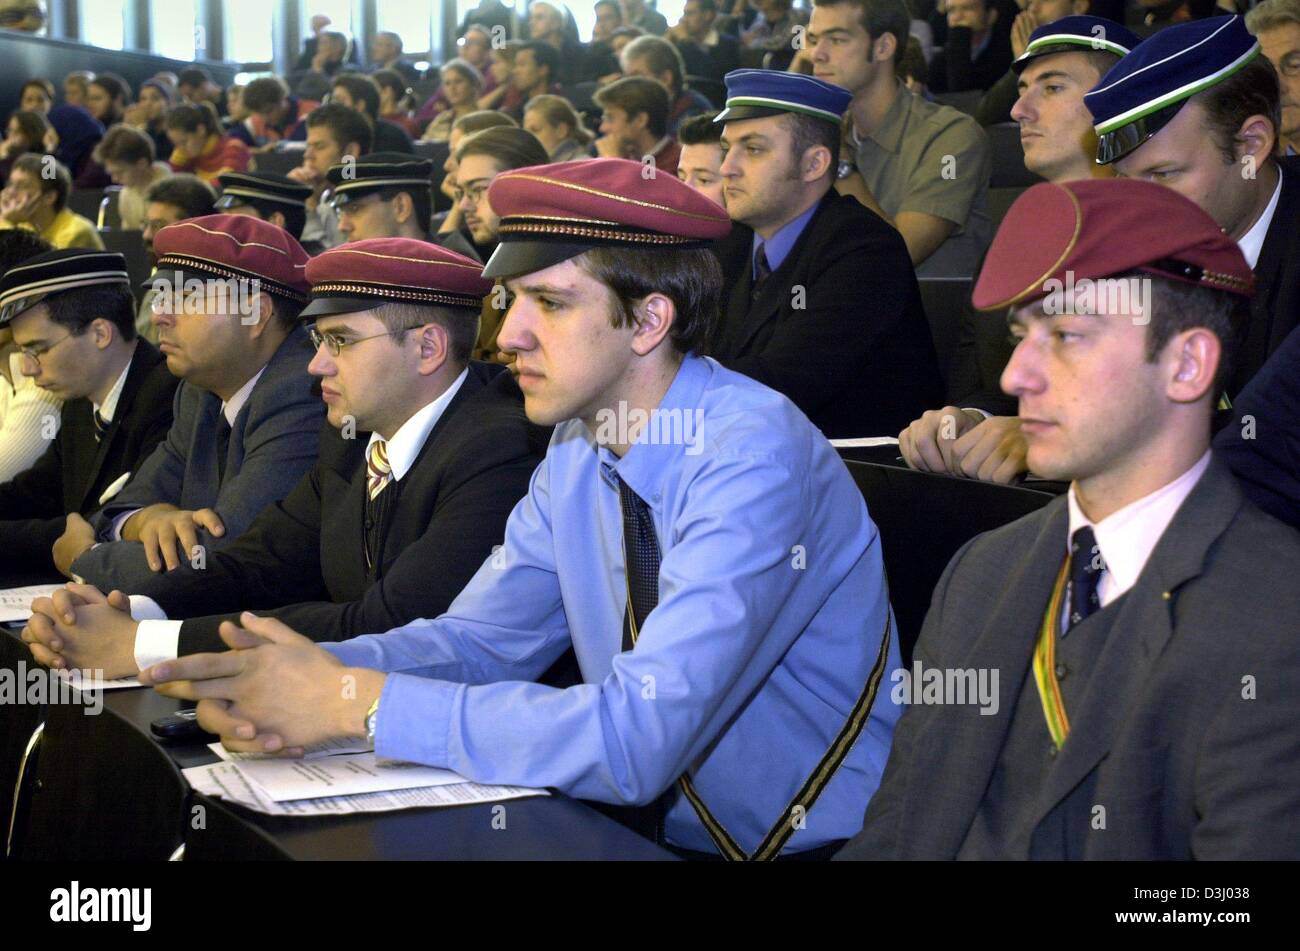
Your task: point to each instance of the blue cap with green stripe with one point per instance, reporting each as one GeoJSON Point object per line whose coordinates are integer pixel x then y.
{"type": "Point", "coordinates": [1147, 88]}
{"type": "Point", "coordinates": [1077, 34]}
{"type": "Point", "coordinates": [754, 93]}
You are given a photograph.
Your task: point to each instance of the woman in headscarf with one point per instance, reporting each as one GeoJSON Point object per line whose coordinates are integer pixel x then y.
{"type": "Point", "coordinates": [73, 136]}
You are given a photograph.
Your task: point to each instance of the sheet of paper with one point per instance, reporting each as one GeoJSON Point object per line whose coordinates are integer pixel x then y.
{"type": "Point", "coordinates": [86, 683]}
{"type": "Point", "coordinates": [225, 781]}
{"type": "Point", "coordinates": [862, 442]}
{"type": "Point", "coordinates": [16, 603]}
{"type": "Point", "coordinates": [344, 774]}
{"type": "Point", "coordinates": [334, 747]}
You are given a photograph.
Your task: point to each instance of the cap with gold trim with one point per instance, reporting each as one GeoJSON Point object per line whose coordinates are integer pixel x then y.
{"type": "Point", "coordinates": [550, 213]}
{"type": "Point", "coordinates": [54, 272]}
{"type": "Point", "coordinates": [361, 275]}
{"type": "Point", "coordinates": [1058, 234]}
{"type": "Point", "coordinates": [225, 247]}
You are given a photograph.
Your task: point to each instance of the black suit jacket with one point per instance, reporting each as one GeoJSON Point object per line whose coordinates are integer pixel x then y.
{"type": "Point", "coordinates": [713, 62]}
{"type": "Point", "coordinates": [75, 470]}
{"type": "Point", "coordinates": [1275, 308]}
{"type": "Point", "coordinates": [852, 349]}
{"type": "Point", "coordinates": [1187, 760]}
{"type": "Point", "coordinates": [303, 559]}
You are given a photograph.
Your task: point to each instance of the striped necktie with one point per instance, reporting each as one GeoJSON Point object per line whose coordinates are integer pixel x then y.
{"type": "Point", "coordinates": [378, 472]}
{"type": "Point", "coordinates": [101, 424]}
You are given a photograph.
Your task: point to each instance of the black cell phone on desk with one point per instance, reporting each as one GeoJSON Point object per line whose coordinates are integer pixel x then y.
{"type": "Point", "coordinates": [181, 725]}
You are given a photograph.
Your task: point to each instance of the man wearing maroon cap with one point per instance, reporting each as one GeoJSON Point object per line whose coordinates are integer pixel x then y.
{"type": "Point", "coordinates": [1144, 626]}
{"type": "Point", "coordinates": [228, 289]}
{"type": "Point", "coordinates": [690, 534]}
{"type": "Point", "coordinates": [425, 456]}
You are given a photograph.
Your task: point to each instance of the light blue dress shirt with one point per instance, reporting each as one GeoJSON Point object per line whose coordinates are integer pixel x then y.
{"type": "Point", "coordinates": [779, 246]}
{"type": "Point", "coordinates": [771, 615]}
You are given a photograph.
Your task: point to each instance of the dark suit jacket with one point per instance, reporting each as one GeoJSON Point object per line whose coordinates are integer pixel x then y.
{"type": "Point", "coordinates": [1164, 736]}
{"type": "Point", "coordinates": [303, 559]}
{"type": "Point", "coordinates": [1275, 308]}
{"type": "Point", "coordinates": [273, 442]}
{"type": "Point", "coordinates": [75, 470]}
{"type": "Point", "coordinates": [712, 62]}
{"type": "Point", "coordinates": [1262, 442]}
{"type": "Point", "coordinates": [953, 70]}
{"type": "Point", "coordinates": [853, 350]}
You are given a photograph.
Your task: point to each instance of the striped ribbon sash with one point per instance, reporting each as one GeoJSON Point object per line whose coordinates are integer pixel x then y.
{"type": "Point", "coordinates": [1049, 688]}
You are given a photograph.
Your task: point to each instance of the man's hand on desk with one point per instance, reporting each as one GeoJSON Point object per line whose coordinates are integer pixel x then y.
{"type": "Point", "coordinates": [170, 535]}
{"type": "Point", "coordinates": [274, 691]}
{"type": "Point", "coordinates": [962, 443]}
{"type": "Point", "coordinates": [78, 628]}
{"type": "Point", "coordinates": [78, 537]}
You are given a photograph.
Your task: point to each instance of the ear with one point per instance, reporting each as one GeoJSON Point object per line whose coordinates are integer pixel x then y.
{"type": "Point", "coordinates": [885, 46]}
{"type": "Point", "coordinates": [815, 163]}
{"type": "Point", "coordinates": [102, 332]}
{"type": "Point", "coordinates": [655, 315]}
{"type": "Point", "coordinates": [261, 316]}
{"type": "Point", "coordinates": [403, 208]}
{"type": "Point", "coordinates": [353, 149]}
{"type": "Point", "coordinates": [435, 347]}
{"type": "Point", "coordinates": [1256, 138]}
{"type": "Point", "coordinates": [1193, 357]}
{"type": "Point", "coordinates": [277, 219]}
{"type": "Point", "coordinates": [640, 121]}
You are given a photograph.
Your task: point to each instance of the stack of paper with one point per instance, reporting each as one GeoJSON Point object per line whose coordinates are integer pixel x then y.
{"type": "Point", "coordinates": [16, 603]}
{"type": "Point", "coordinates": [337, 779]}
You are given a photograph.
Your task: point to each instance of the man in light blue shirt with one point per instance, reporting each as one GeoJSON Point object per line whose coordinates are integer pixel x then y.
{"type": "Point", "coordinates": [690, 533]}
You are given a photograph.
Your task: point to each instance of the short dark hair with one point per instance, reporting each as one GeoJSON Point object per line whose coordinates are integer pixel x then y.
{"type": "Point", "coordinates": [193, 76]}
{"type": "Point", "coordinates": [691, 279]}
{"type": "Point", "coordinates": [1251, 90]}
{"type": "Point", "coordinates": [510, 146]}
{"type": "Point", "coordinates": [19, 244]}
{"type": "Point", "coordinates": [264, 93]}
{"type": "Point", "coordinates": [114, 85]}
{"type": "Point", "coordinates": [1176, 306]}
{"type": "Point", "coordinates": [60, 182]}
{"type": "Point", "coordinates": [546, 55]}
{"type": "Point", "coordinates": [286, 312]}
{"type": "Point", "coordinates": [610, 3]}
{"type": "Point", "coordinates": [122, 143]}
{"type": "Point", "coordinates": [295, 216]}
{"type": "Point", "coordinates": [421, 202]}
{"type": "Point", "coordinates": [661, 56]}
{"type": "Point", "coordinates": [346, 125]}
{"type": "Point", "coordinates": [635, 95]}
{"type": "Point", "coordinates": [362, 89]}
{"type": "Point", "coordinates": [461, 324]}
{"type": "Point", "coordinates": [191, 194]}
{"type": "Point", "coordinates": [391, 79]}
{"type": "Point", "coordinates": [33, 126]}
{"type": "Point", "coordinates": [189, 116]}
{"type": "Point", "coordinates": [74, 310]}
{"type": "Point", "coordinates": [879, 17]}
{"type": "Point", "coordinates": [807, 132]}
{"type": "Point", "coordinates": [700, 130]}
{"type": "Point", "coordinates": [45, 85]}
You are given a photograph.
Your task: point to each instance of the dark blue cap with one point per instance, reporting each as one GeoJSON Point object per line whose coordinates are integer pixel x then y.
{"type": "Point", "coordinates": [754, 93]}
{"type": "Point", "coordinates": [1145, 89]}
{"type": "Point", "coordinates": [1078, 34]}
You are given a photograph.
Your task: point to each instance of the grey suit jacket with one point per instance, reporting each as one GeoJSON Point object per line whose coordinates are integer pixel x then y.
{"type": "Point", "coordinates": [274, 440]}
{"type": "Point", "coordinates": [1188, 732]}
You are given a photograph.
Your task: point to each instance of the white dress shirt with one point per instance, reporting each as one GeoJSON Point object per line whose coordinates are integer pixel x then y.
{"type": "Point", "coordinates": [1252, 242]}
{"type": "Point", "coordinates": [29, 420]}
{"type": "Point", "coordinates": [158, 639]}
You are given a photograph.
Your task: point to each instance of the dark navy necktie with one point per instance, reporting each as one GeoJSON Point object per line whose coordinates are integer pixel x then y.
{"type": "Point", "coordinates": [762, 271]}
{"type": "Point", "coordinates": [641, 550]}
{"type": "Point", "coordinates": [1086, 567]}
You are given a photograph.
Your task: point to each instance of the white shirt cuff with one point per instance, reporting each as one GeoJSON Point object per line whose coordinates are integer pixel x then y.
{"type": "Point", "coordinates": [156, 641]}
{"type": "Point", "coordinates": [144, 608]}
{"type": "Point", "coordinates": [976, 409]}
{"type": "Point", "coordinates": [118, 522]}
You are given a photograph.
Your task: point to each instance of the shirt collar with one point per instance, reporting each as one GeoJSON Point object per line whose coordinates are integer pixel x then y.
{"type": "Point", "coordinates": [404, 448]}
{"type": "Point", "coordinates": [889, 134]}
{"type": "Point", "coordinates": [675, 430]}
{"type": "Point", "coordinates": [108, 409]}
{"type": "Point", "coordinates": [1252, 242]}
{"type": "Point", "coordinates": [778, 246]}
{"type": "Point", "coordinates": [231, 407]}
{"type": "Point", "coordinates": [1127, 537]}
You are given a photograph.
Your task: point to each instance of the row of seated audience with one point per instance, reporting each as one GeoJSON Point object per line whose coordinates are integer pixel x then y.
{"type": "Point", "coordinates": [197, 477]}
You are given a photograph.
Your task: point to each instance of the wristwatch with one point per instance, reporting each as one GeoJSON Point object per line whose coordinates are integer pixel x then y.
{"type": "Point", "coordinates": [372, 721]}
{"type": "Point", "coordinates": [845, 169]}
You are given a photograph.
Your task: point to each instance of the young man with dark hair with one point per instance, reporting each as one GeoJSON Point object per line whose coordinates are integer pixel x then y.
{"type": "Point", "coordinates": [335, 134]}
{"type": "Point", "coordinates": [995, 105]}
{"type": "Point", "coordinates": [449, 454]}
{"type": "Point", "coordinates": [386, 53]}
{"type": "Point", "coordinates": [700, 165]}
{"type": "Point", "coordinates": [383, 195]}
{"type": "Point", "coordinates": [923, 167]}
{"type": "Point", "coordinates": [656, 58]}
{"type": "Point", "coordinates": [724, 687]}
{"type": "Point", "coordinates": [73, 320]}
{"type": "Point", "coordinates": [634, 123]}
{"type": "Point", "coordinates": [274, 113]}
{"type": "Point", "coordinates": [480, 158]}
{"type": "Point", "coordinates": [976, 52]}
{"type": "Point", "coordinates": [820, 300]}
{"type": "Point", "coordinates": [35, 198]}
{"type": "Point", "coordinates": [536, 70]}
{"type": "Point", "coordinates": [228, 289]}
{"type": "Point", "coordinates": [1120, 697]}
{"type": "Point", "coordinates": [705, 50]}
{"type": "Point", "coordinates": [361, 93]}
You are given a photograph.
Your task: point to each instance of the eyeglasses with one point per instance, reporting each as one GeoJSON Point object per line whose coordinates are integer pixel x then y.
{"type": "Point", "coordinates": [475, 194]}
{"type": "Point", "coordinates": [35, 355]}
{"type": "Point", "coordinates": [335, 344]}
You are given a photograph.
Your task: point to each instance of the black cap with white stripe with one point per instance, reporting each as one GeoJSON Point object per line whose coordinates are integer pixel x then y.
{"type": "Point", "coordinates": [377, 173]}
{"type": "Point", "coordinates": [260, 189]}
{"type": "Point", "coordinates": [55, 272]}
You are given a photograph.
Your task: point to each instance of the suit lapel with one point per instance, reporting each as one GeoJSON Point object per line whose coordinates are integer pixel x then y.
{"type": "Point", "coordinates": [1140, 632]}
{"type": "Point", "coordinates": [141, 361]}
{"type": "Point", "coordinates": [957, 751]}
